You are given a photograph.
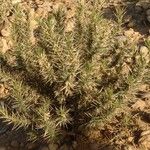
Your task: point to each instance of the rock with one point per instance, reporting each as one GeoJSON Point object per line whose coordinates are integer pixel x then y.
{"type": "Point", "coordinates": [53, 146]}
{"type": "Point", "coordinates": [2, 148]}
{"type": "Point", "coordinates": [14, 144]}
{"type": "Point", "coordinates": [144, 51]}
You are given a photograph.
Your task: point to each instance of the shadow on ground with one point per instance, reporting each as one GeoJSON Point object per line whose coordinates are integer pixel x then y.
{"type": "Point", "coordinates": [135, 17]}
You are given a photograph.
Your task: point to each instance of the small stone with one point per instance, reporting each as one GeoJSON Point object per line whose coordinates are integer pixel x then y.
{"type": "Point", "coordinates": [14, 144]}
{"type": "Point", "coordinates": [144, 51]}
{"type": "Point", "coordinates": [53, 146]}
{"type": "Point", "coordinates": [2, 148]}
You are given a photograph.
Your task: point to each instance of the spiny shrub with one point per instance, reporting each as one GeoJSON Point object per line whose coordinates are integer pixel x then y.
{"type": "Point", "coordinates": [67, 81]}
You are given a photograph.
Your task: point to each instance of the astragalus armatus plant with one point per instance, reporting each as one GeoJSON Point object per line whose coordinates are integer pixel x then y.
{"type": "Point", "coordinates": [66, 81]}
